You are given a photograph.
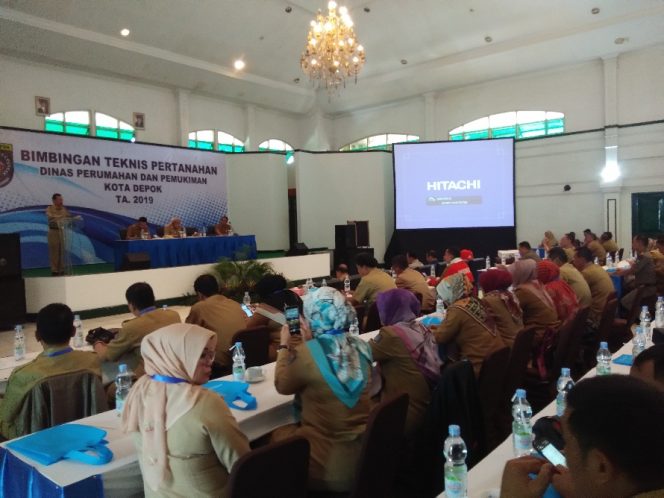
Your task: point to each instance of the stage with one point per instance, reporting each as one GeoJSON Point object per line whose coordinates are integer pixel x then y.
{"type": "Point", "coordinates": [103, 290]}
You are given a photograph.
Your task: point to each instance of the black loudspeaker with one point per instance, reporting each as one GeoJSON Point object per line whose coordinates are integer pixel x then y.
{"type": "Point", "coordinates": [299, 249]}
{"type": "Point", "coordinates": [12, 304]}
{"type": "Point", "coordinates": [344, 236]}
{"type": "Point", "coordinates": [135, 261]}
{"type": "Point", "coordinates": [10, 255]}
{"type": "Point", "coordinates": [347, 256]}
{"type": "Point", "coordinates": [361, 233]}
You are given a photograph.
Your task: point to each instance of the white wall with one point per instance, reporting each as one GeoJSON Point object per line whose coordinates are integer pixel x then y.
{"type": "Point", "coordinates": [258, 197]}
{"type": "Point", "coordinates": [336, 187]}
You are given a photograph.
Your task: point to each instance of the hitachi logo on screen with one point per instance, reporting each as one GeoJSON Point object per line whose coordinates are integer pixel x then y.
{"type": "Point", "coordinates": [452, 185]}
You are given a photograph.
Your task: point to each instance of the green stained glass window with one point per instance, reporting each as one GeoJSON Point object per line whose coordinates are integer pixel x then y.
{"type": "Point", "coordinates": [508, 131]}
{"type": "Point", "coordinates": [78, 123]}
{"type": "Point", "coordinates": [382, 141]}
{"type": "Point", "coordinates": [474, 135]}
{"type": "Point", "coordinates": [517, 124]}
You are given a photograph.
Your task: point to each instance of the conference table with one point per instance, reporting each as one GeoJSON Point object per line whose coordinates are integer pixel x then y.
{"type": "Point", "coordinates": [169, 252]}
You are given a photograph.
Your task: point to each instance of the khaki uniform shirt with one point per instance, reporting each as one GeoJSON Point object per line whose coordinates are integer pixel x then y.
{"type": "Point", "coordinates": [573, 277]}
{"type": "Point", "coordinates": [508, 327]}
{"type": "Point", "coordinates": [569, 251]}
{"type": "Point", "coordinates": [414, 281]}
{"type": "Point", "coordinates": [222, 228]}
{"type": "Point", "coordinates": [610, 245]}
{"type": "Point", "coordinates": [472, 339]}
{"type": "Point", "coordinates": [371, 284]}
{"type": "Point", "coordinates": [598, 251]}
{"type": "Point", "coordinates": [24, 378]}
{"type": "Point", "coordinates": [134, 231]}
{"type": "Point", "coordinates": [333, 430]}
{"type": "Point", "coordinates": [126, 346]}
{"type": "Point", "coordinates": [224, 317]}
{"type": "Point", "coordinates": [401, 375]}
{"type": "Point", "coordinates": [202, 445]}
{"type": "Point", "coordinates": [601, 286]}
{"type": "Point", "coordinates": [535, 312]}
{"type": "Point", "coordinates": [171, 231]}
{"type": "Point", "coordinates": [55, 215]}
{"type": "Point", "coordinates": [532, 255]}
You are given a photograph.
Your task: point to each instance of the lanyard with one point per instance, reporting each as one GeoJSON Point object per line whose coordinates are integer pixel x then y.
{"type": "Point", "coordinates": [58, 353]}
{"type": "Point", "coordinates": [146, 310]}
{"type": "Point", "coordinates": [166, 379]}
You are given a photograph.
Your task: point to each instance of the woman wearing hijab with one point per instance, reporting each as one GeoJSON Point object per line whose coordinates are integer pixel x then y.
{"type": "Point", "coordinates": [537, 305]}
{"type": "Point", "coordinates": [406, 353]}
{"type": "Point", "coordinates": [502, 303]}
{"type": "Point", "coordinates": [186, 438]}
{"type": "Point", "coordinates": [328, 370]}
{"type": "Point", "coordinates": [274, 296]}
{"type": "Point", "coordinates": [468, 324]}
{"type": "Point", "coordinates": [562, 295]}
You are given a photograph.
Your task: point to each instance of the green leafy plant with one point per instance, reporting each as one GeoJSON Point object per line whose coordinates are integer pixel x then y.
{"type": "Point", "coordinates": [238, 277]}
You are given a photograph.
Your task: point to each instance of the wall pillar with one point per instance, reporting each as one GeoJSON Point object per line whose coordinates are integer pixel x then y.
{"type": "Point", "coordinates": [430, 117]}
{"type": "Point", "coordinates": [250, 131]}
{"type": "Point", "coordinates": [182, 97]}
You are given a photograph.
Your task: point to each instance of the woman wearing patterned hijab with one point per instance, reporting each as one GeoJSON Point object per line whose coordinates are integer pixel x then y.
{"type": "Point", "coordinates": [328, 370]}
{"type": "Point", "coordinates": [502, 303]}
{"type": "Point", "coordinates": [561, 293]}
{"type": "Point", "coordinates": [406, 353]}
{"type": "Point", "coordinates": [467, 325]}
{"type": "Point", "coordinates": [538, 308]}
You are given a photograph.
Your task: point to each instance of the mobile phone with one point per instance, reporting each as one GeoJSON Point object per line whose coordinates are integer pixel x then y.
{"type": "Point", "coordinates": [247, 310]}
{"type": "Point", "coordinates": [292, 319]}
{"type": "Point", "coordinates": [545, 448]}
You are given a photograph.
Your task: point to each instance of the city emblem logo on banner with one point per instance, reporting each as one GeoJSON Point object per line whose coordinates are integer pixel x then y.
{"type": "Point", "coordinates": [6, 164]}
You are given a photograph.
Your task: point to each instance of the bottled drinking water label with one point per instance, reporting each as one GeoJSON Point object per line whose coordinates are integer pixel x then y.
{"type": "Point", "coordinates": [238, 362]}
{"type": "Point", "coordinates": [347, 285]}
{"type": "Point", "coordinates": [603, 359]}
{"type": "Point", "coordinates": [123, 383]}
{"type": "Point", "coordinates": [19, 343]}
{"type": "Point", "coordinates": [455, 485]}
{"type": "Point", "coordinates": [79, 339]}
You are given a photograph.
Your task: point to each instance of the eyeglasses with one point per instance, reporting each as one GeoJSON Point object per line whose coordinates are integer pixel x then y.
{"type": "Point", "coordinates": [208, 355]}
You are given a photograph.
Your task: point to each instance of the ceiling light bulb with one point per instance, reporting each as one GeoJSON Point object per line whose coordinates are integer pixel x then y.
{"type": "Point", "coordinates": [239, 64]}
{"type": "Point", "coordinates": [360, 48]}
{"type": "Point", "coordinates": [343, 10]}
{"type": "Point", "coordinates": [332, 5]}
{"type": "Point", "coordinates": [125, 32]}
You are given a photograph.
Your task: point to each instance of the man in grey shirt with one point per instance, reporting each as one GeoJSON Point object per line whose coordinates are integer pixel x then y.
{"type": "Point", "coordinates": [642, 270]}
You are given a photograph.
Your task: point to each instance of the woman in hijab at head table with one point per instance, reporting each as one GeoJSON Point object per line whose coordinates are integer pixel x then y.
{"type": "Point", "coordinates": [537, 305]}
{"type": "Point", "coordinates": [406, 353]}
{"type": "Point", "coordinates": [186, 437]}
{"type": "Point", "coordinates": [502, 303]}
{"type": "Point", "coordinates": [468, 324]}
{"type": "Point", "coordinates": [329, 371]}
{"type": "Point", "coordinates": [562, 295]}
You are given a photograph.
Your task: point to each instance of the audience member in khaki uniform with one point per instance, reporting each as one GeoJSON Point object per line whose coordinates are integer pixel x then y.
{"type": "Point", "coordinates": [373, 280]}
{"type": "Point", "coordinates": [598, 280]}
{"type": "Point", "coordinates": [56, 213]}
{"type": "Point", "coordinates": [136, 230]}
{"type": "Point", "coordinates": [186, 438]}
{"type": "Point", "coordinates": [55, 327]}
{"type": "Point", "coordinates": [609, 245]}
{"type": "Point", "coordinates": [274, 297]}
{"type": "Point", "coordinates": [640, 273]}
{"type": "Point", "coordinates": [657, 256]}
{"type": "Point", "coordinates": [468, 324]}
{"type": "Point", "coordinates": [413, 281]}
{"type": "Point", "coordinates": [406, 353]}
{"type": "Point", "coordinates": [333, 389]}
{"type": "Point", "coordinates": [502, 303]}
{"type": "Point", "coordinates": [217, 313]}
{"type": "Point", "coordinates": [572, 276]}
{"type": "Point", "coordinates": [174, 228]}
{"type": "Point", "coordinates": [126, 346]}
{"type": "Point", "coordinates": [526, 252]}
{"type": "Point", "coordinates": [595, 246]}
{"type": "Point", "coordinates": [567, 244]}
{"type": "Point", "coordinates": [538, 308]}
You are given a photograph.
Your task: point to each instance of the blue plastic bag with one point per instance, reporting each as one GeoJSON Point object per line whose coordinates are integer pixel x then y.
{"type": "Point", "coordinates": [233, 391]}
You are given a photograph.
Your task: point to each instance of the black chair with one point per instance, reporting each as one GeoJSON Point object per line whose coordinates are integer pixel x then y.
{"type": "Point", "coordinates": [160, 231]}
{"type": "Point", "coordinates": [372, 321]}
{"type": "Point", "coordinates": [491, 388]}
{"type": "Point", "coordinates": [519, 359]}
{"type": "Point", "coordinates": [256, 344]}
{"type": "Point", "coordinates": [190, 231]}
{"type": "Point", "coordinates": [278, 469]}
{"type": "Point", "coordinates": [123, 234]}
{"type": "Point", "coordinates": [210, 230]}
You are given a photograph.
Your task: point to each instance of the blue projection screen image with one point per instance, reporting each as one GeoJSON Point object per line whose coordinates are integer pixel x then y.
{"type": "Point", "coordinates": [454, 184]}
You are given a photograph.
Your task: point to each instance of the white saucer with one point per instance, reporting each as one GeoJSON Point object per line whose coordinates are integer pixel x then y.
{"type": "Point", "coordinates": [255, 379]}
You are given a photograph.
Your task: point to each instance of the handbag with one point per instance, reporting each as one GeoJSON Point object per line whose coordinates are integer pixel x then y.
{"type": "Point", "coordinates": [82, 443]}
{"type": "Point", "coordinates": [233, 391]}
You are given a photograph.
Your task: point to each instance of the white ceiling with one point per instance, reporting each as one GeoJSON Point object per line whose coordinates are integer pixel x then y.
{"type": "Point", "coordinates": [192, 43]}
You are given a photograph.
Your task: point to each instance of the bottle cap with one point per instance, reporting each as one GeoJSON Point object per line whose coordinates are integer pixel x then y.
{"type": "Point", "coordinates": [603, 345]}
{"type": "Point", "coordinates": [77, 317]}
{"type": "Point", "coordinates": [122, 368]}
{"type": "Point", "coordinates": [644, 308]}
{"type": "Point", "coordinates": [564, 372]}
{"type": "Point", "coordinates": [521, 393]}
{"type": "Point", "coordinates": [454, 431]}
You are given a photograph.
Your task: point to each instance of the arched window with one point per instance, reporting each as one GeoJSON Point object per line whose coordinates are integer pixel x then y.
{"type": "Point", "coordinates": [517, 124]}
{"type": "Point", "coordinates": [379, 142]}
{"type": "Point", "coordinates": [215, 140]}
{"type": "Point", "coordinates": [276, 145]}
{"type": "Point", "coordinates": [79, 123]}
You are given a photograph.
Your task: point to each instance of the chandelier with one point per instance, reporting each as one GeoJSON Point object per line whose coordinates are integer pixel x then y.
{"type": "Point", "coordinates": [332, 53]}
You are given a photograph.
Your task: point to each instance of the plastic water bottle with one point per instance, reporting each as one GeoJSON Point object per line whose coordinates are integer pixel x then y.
{"type": "Point", "coordinates": [487, 262]}
{"type": "Point", "coordinates": [564, 385]}
{"type": "Point", "coordinates": [644, 322]}
{"type": "Point", "coordinates": [164, 307]}
{"type": "Point", "coordinates": [347, 285]}
{"type": "Point", "coordinates": [79, 339]}
{"type": "Point", "coordinates": [309, 283]}
{"type": "Point", "coordinates": [123, 383]}
{"type": "Point", "coordinates": [393, 274]}
{"type": "Point", "coordinates": [609, 261]}
{"type": "Point", "coordinates": [596, 260]}
{"type": "Point", "coordinates": [659, 312]}
{"type": "Point", "coordinates": [432, 270]}
{"type": "Point", "coordinates": [522, 431]}
{"type": "Point", "coordinates": [354, 328]}
{"type": "Point", "coordinates": [323, 283]}
{"type": "Point", "coordinates": [440, 306]}
{"type": "Point", "coordinates": [503, 260]}
{"type": "Point", "coordinates": [603, 359]}
{"type": "Point", "coordinates": [456, 470]}
{"type": "Point", "coordinates": [19, 343]}
{"type": "Point", "coordinates": [638, 342]}
{"type": "Point", "coordinates": [238, 362]}
{"type": "Point", "coordinates": [246, 300]}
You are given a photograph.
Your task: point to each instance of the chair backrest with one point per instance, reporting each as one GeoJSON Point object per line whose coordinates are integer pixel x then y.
{"type": "Point", "coordinates": [360, 311]}
{"type": "Point", "coordinates": [210, 230]}
{"type": "Point", "coordinates": [606, 322]}
{"type": "Point", "coordinates": [123, 234]}
{"type": "Point", "coordinates": [278, 469]}
{"type": "Point", "coordinates": [379, 457]}
{"type": "Point", "coordinates": [190, 231]}
{"type": "Point", "coordinates": [633, 314]}
{"type": "Point", "coordinates": [519, 359]}
{"type": "Point", "coordinates": [256, 344]}
{"type": "Point", "coordinates": [569, 343]}
{"type": "Point", "coordinates": [62, 398]}
{"type": "Point", "coordinates": [160, 231]}
{"type": "Point", "coordinates": [491, 388]}
{"type": "Point", "coordinates": [372, 321]}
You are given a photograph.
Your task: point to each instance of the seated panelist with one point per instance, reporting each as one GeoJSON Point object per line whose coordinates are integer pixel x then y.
{"type": "Point", "coordinates": [174, 228]}
{"type": "Point", "coordinates": [139, 230]}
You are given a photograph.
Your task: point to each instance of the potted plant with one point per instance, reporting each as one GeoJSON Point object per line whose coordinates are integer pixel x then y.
{"type": "Point", "coordinates": [238, 277]}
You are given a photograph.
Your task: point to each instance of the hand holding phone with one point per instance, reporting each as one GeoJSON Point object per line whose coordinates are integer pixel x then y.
{"type": "Point", "coordinates": [545, 448]}
{"type": "Point", "coordinates": [292, 314]}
